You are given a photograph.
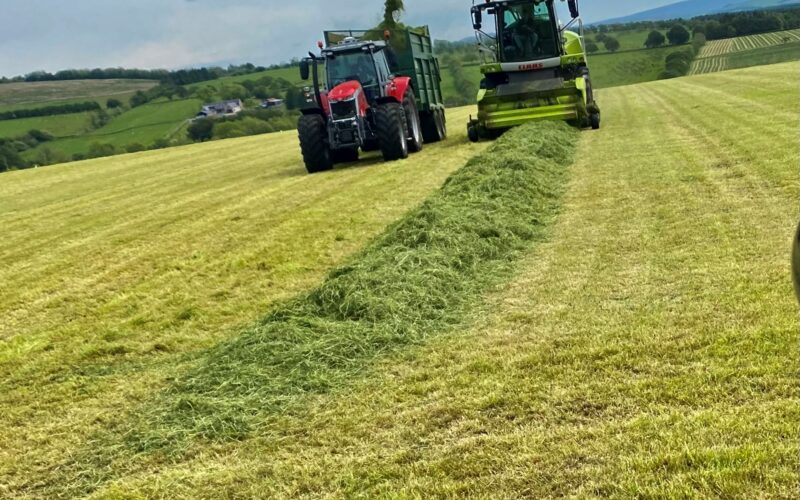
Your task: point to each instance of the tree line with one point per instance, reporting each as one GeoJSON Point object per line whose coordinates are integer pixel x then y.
{"type": "Point", "coordinates": [178, 77]}
{"type": "Point", "coordinates": [60, 109]}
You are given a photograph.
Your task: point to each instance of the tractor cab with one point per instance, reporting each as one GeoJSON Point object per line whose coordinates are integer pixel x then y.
{"type": "Point", "coordinates": [363, 62]}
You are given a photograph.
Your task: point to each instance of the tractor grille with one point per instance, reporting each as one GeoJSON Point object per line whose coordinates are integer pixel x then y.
{"type": "Point", "coordinates": [343, 110]}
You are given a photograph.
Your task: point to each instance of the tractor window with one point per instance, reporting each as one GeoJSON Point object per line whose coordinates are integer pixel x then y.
{"type": "Point", "coordinates": [347, 66]}
{"type": "Point", "coordinates": [528, 32]}
{"type": "Point", "coordinates": [382, 65]}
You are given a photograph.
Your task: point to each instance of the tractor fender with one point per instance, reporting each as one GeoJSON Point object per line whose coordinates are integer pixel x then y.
{"type": "Point", "coordinates": [396, 88]}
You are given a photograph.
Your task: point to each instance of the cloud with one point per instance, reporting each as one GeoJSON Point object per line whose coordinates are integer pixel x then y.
{"type": "Point", "coordinates": [53, 34]}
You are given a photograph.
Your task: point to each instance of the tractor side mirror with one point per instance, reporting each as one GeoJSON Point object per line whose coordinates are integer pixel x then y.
{"type": "Point", "coordinates": [304, 70]}
{"type": "Point", "coordinates": [573, 8]}
{"type": "Point", "coordinates": [477, 19]}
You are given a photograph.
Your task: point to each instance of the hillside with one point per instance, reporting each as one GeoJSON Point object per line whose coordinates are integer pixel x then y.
{"type": "Point", "coordinates": [746, 51]}
{"type": "Point", "coordinates": [691, 8]}
{"type": "Point", "coordinates": [167, 328]}
{"type": "Point", "coordinates": [38, 94]}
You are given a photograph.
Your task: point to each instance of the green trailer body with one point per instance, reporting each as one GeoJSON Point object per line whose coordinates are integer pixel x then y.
{"type": "Point", "coordinates": [414, 57]}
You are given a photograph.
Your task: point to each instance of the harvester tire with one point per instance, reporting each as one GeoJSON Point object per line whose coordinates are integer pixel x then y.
{"type": "Point", "coordinates": [390, 125]}
{"type": "Point", "coordinates": [314, 143]}
{"type": "Point", "coordinates": [414, 124]}
{"type": "Point", "coordinates": [472, 133]}
{"type": "Point", "coordinates": [594, 118]}
{"type": "Point", "coordinates": [344, 155]}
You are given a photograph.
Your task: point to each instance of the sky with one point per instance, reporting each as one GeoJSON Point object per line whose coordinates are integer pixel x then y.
{"type": "Point", "coordinates": [56, 34]}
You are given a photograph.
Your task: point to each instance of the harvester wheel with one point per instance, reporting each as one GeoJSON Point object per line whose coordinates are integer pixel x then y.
{"type": "Point", "coordinates": [594, 118]}
{"type": "Point", "coordinates": [314, 143]}
{"type": "Point", "coordinates": [472, 133]}
{"type": "Point", "coordinates": [344, 155]}
{"type": "Point", "coordinates": [413, 121]}
{"type": "Point", "coordinates": [390, 125]}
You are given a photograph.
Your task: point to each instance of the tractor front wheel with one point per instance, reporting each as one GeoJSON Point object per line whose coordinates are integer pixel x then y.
{"type": "Point", "coordinates": [390, 125]}
{"type": "Point", "coordinates": [414, 123]}
{"type": "Point", "coordinates": [313, 134]}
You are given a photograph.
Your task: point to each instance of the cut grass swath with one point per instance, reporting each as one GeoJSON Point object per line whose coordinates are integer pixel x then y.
{"type": "Point", "coordinates": [417, 280]}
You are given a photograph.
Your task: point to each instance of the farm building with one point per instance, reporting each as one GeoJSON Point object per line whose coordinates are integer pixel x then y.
{"type": "Point", "coordinates": [271, 103]}
{"type": "Point", "coordinates": [225, 108]}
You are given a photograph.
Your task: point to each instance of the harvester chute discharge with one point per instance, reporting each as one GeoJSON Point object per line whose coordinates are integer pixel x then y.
{"type": "Point", "coordinates": [533, 67]}
{"type": "Point", "coordinates": [372, 90]}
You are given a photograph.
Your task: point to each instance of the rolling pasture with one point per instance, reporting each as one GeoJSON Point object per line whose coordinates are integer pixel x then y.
{"type": "Point", "coordinates": [746, 51]}
{"type": "Point", "coordinates": [644, 345]}
{"type": "Point", "coordinates": [37, 94]}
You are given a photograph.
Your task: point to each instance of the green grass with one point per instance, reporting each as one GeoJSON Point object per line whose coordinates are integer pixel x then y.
{"type": "Point", "coordinates": [37, 94]}
{"type": "Point", "coordinates": [291, 75]}
{"type": "Point", "coordinates": [747, 51]}
{"type": "Point", "coordinates": [626, 68]}
{"type": "Point", "coordinates": [116, 269]}
{"type": "Point", "coordinates": [143, 125]}
{"type": "Point", "coordinates": [647, 348]}
{"type": "Point", "coordinates": [60, 125]}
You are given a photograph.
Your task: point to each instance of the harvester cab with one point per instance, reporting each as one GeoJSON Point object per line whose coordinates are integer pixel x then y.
{"type": "Point", "coordinates": [534, 68]}
{"type": "Point", "coordinates": [361, 101]}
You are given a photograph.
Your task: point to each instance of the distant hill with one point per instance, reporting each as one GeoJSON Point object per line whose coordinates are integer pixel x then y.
{"type": "Point", "coordinates": [693, 8]}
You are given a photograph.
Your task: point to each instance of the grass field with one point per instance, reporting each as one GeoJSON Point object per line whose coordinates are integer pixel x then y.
{"type": "Point", "coordinates": [143, 125]}
{"type": "Point", "coordinates": [747, 51]}
{"type": "Point", "coordinates": [626, 68]}
{"type": "Point", "coordinates": [59, 125]}
{"type": "Point", "coordinates": [37, 94]}
{"type": "Point", "coordinates": [645, 348]}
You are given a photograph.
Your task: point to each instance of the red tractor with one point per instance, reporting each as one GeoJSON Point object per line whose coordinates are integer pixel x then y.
{"type": "Point", "coordinates": [369, 105]}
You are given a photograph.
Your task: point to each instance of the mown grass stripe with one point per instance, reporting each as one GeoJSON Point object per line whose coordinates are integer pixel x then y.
{"type": "Point", "coordinates": [417, 280]}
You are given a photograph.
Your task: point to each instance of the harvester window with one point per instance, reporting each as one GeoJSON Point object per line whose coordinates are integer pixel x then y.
{"type": "Point", "coordinates": [527, 33]}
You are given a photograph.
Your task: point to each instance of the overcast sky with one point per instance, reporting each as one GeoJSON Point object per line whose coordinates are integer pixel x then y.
{"type": "Point", "coordinates": [57, 34]}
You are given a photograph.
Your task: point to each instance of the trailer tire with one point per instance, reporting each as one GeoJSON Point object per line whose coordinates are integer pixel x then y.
{"type": "Point", "coordinates": [314, 143]}
{"type": "Point", "coordinates": [390, 125]}
{"type": "Point", "coordinates": [413, 121]}
{"type": "Point", "coordinates": [441, 124]}
{"type": "Point", "coordinates": [433, 126]}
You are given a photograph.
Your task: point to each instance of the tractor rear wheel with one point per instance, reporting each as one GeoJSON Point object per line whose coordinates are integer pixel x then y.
{"type": "Point", "coordinates": [314, 143]}
{"type": "Point", "coordinates": [413, 122]}
{"type": "Point", "coordinates": [390, 125]}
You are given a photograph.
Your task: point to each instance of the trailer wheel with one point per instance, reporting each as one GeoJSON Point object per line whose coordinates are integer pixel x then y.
{"type": "Point", "coordinates": [441, 124]}
{"type": "Point", "coordinates": [434, 128]}
{"type": "Point", "coordinates": [429, 132]}
{"type": "Point", "coordinates": [413, 121]}
{"type": "Point", "coordinates": [314, 143]}
{"type": "Point", "coordinates": [344, 155]}
{"type": "Point", "coordinates": [390, 125]}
